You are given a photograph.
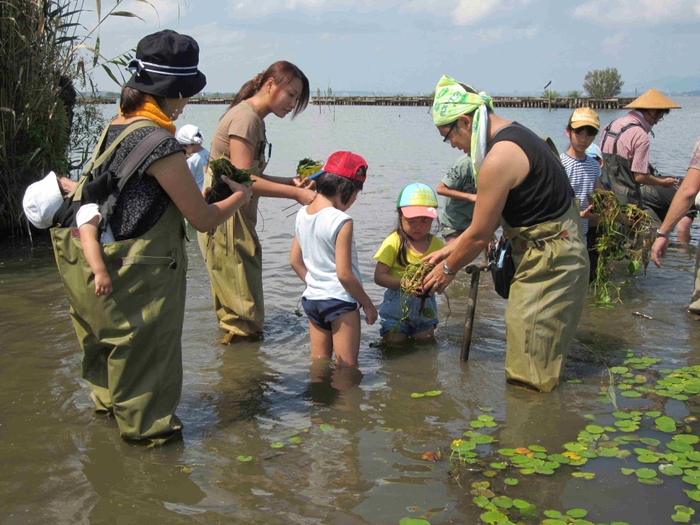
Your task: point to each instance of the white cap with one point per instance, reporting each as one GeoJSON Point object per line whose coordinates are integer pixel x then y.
{"type": "Point", "coordinates": [189, 134]}
{"type": "Point", "coordinates": [594, 151]}
{"type": "Point", "coordinates": [42, 200]}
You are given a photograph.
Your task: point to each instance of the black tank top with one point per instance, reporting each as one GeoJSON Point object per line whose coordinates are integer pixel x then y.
{"type": "Point", "coordinates": [546, 193]}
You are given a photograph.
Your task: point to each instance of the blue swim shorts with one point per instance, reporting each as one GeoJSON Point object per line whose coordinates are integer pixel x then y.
{"type": "Point", "coordinates": [322, 312]}
{"type": "Point", "coordinates": [390, 314]}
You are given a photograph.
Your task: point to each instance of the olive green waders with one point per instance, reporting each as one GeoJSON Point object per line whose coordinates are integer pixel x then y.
{"type": "Point", "coordinates": [233, 256]}
{"type": "Point", "coordinates": [131, 338]}
{"type": "Point", "coordinates": [695, 300]}
{"type": "Point", "coordinates": [546, 298]}
{"type": "Point", "coordinates": [618, 172]}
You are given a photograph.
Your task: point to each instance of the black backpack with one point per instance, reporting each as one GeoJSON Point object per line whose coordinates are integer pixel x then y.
{"type": "Point", "coordinates": [103, 187]}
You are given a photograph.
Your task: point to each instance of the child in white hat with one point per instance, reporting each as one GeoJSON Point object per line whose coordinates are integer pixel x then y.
{"type": "Point", "coordinates": [190, 136]}
{"type": "Point", "coordinates": [41, 202]}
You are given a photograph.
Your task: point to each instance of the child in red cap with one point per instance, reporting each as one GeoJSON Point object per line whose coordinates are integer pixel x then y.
{"type": "Point", "coordinates": [324, 257]}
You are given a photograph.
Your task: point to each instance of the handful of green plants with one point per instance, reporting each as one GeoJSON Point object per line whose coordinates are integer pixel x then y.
{"type": "Point", "coordinates": [410, 285]}
{"type": "Point", "coordinates": [220, 190]}
{"type": "Point", "coordinates": [308, 167]}
{"type": "Point", "coordinates": [625, 233]}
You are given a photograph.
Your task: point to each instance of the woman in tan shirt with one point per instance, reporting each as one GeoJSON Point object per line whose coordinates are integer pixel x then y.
{"type": "Point", "coordinates": [232, 251]}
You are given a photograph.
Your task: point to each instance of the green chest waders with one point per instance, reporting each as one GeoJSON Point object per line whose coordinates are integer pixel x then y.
{"type": "Point", "coordinates": [131, 338]}
{"type": "Point", "coordinates": [233, 256]}
{"type": "Point", "coordinates": [618, 172]}
{"type": "Point", "coordinates": [546, 298]}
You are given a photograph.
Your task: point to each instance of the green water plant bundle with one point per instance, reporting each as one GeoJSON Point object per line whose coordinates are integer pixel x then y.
{"type": "Point", "coordinates": [411, 283]}
{"type": "Point", "coordinates": [220, 190]}
{"type": "Point", "coordinates": [625, 233]}
{"type": "Point", "coordinates": [308, 167]}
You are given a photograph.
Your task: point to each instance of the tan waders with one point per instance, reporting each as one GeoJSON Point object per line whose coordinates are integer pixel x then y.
{"type": "Point", "coordinates": [233, 256]}
{"type": "Point", "coordinates": [695, 301]}
{"type": "Point", "coordinates": [546, 298]}
{"type": "Point", "coordinates": [131, 338]}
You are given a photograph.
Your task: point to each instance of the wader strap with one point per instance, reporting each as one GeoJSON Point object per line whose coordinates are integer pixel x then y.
{"type": "Point", "coordinates": [521, 245]}
{"type": "Point", "coordinates": [96, 161]}
{"type": "Point", "coordinates": [170, 260]}
{"type": "Point", "coordinates": [616, 134]}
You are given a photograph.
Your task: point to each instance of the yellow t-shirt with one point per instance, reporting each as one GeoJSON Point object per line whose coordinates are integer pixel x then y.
{"type": "Point", "coordinates": [389, 250]}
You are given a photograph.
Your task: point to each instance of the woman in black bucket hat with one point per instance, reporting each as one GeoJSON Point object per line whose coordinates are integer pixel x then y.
{"type": "Point", "coordinates": [131, 338]}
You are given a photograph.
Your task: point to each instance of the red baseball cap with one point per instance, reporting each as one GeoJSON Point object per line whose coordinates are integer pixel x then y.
{"type": "Point", "coordinates": [345, 164]}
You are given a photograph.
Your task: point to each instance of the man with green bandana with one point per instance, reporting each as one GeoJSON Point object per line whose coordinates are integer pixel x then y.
{"type": "Point", "coordinates": [522, 187]}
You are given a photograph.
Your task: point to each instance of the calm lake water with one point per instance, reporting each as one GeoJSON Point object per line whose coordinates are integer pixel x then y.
{"type": "Point", "coordinates": [351, 446]}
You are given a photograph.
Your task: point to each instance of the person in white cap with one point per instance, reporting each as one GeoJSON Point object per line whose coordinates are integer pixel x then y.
{"type": "Point", "coordinates": [41, 202]}
{"type": "Point", "coordinates": [190, 136]}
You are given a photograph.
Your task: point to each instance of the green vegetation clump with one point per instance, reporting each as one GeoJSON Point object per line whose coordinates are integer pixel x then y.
{"type": "Point", "coordinates": [626, 235]}
{"type": "Point", "coordinates": [220, 190]}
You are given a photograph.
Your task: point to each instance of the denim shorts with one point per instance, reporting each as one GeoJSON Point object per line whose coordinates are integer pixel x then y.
{"type": "Point", "coordinates": [390, 314]}
{"type": "Point", "coordinates": [322, 312]}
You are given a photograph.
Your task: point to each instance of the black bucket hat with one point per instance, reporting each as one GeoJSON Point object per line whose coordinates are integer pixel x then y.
{"type": "Point", "coordinates": [166, 66]}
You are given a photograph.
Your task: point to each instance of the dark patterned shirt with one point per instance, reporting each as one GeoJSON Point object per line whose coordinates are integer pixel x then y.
{"type": "Point", "coordinates": [142, 201]}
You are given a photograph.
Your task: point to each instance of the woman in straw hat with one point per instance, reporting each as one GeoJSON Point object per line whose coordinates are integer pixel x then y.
{"type": "Point", "coordinates": [131, 338]}
{"type": "Point", "coordinates": [625, 146]}
{"type": "Point", "coordinates": [523, 187]}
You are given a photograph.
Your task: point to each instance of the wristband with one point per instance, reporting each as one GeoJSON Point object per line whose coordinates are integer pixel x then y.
{"type": "Point", "coordinates": [446, 269]}
{"type": "Point", "coordinates": [660, 234]}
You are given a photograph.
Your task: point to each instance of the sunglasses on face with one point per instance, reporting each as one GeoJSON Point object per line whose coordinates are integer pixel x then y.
{"type": "Point", "coordinates": [589, 130]}
{"type": "Point", "coordinates": [447, 137]}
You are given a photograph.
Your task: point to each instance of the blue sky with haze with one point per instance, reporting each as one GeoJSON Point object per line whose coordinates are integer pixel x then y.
{"type": "Point", "coordinates": [395, 46]}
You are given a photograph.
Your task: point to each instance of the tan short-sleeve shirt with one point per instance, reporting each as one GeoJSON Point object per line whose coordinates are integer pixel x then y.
{"type": "Point", "coordinates": [241, 121]}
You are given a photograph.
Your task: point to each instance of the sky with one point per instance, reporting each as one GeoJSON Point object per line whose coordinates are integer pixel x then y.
{"type": "Point", "coordinates": [405, 46]}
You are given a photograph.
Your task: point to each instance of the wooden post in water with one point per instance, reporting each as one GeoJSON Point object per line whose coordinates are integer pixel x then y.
{"type": "Point", "coordinates": [475, 271]}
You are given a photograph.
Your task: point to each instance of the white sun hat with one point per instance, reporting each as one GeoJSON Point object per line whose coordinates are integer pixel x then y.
{"type": "Point", "coordinates": [42, 200]}
{"type": "Point", "coordinates": [189, 134]}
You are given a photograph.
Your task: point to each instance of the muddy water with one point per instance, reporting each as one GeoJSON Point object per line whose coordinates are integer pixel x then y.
{"type": "Point", "coordinates": [351, 443]}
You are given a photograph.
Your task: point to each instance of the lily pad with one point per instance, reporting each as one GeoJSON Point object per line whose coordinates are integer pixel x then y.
{"type": "Point", "coordinates": [665, 424]}
{"type": "Point", "coordinates": [671, 470]}
{"type": "Point", "coordinates": [244, 459]}
{"type": "Point", "coordinates": [619, 369]}
{"type": "Point", "coordinates": [583, 475]}
{"type": "Point", "coordinates": [433, 393]}
{"type": "Point", "coordinates": [630, 393]}
{"type": "Point", "coordinates": [520, 504]}
{"type": "Point", "coordinates": [510, 481]}
{"type": "Point", "coordinates": [417, 395]}
{"type": "Point", "coordinates": [276, 445]}
{"type": "Point", "coordinates": [679, 446]}
{"type": "Point", "coordinates": [648, 458]}
{"type": "Point", "coordinates": [693, 494]}
{"type": "Point", "coordinates": [507, 452]}
{"type": "Point", "coordinates": [650, 481]}
{"type": "Point", "coordinates": [552, 514]}
{"type": "Point", "coordinates": [295, 440]}
{"type": "Point", "coordinates": [644, 473]}
{"type": "Point", "coordinates": [414, 521]}
{"type": "Point", "coordinates": [594, 429]}
{"type": "Point", "coordinates": [686, 438]}
{"type": "Point", "coordinates": [492, 517]}
{"type": "Point", "coordinates": [537, 448]}
{"type": "Point", "coordinates": [503, 502]}
{"type": "Point", "coordinates": [651, 442]}
{"type": "Point", "coordinates": [577, 513]}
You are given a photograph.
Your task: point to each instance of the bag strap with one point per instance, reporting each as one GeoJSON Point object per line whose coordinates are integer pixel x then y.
{"type": "Point", "coordinates": [96, 161]}
{"type": "Point", "coordinates": [127, 168]}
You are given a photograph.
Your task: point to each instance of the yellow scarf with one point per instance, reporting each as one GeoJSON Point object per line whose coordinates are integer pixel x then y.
{"type": "Point", "coordinates": [152, 111]}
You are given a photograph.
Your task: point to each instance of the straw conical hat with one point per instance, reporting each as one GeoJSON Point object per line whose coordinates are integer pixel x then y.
{"type": "Point", "coordinates": [652, 99]}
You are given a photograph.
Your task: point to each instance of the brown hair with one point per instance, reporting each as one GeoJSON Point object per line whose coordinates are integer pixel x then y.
{"type": "Point", "coordinates": [132, 99]}
{"type": "Point", "coordinates": [282, 72]}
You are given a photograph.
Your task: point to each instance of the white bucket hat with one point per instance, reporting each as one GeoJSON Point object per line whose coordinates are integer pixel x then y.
{"type": "Point", "coordinates": [42, 200]}
{"type": "Point", "coordinates": [189, 134]}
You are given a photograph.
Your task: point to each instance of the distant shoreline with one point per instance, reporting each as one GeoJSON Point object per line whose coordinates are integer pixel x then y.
{"type": "Point", "coordinates": [400, 100]}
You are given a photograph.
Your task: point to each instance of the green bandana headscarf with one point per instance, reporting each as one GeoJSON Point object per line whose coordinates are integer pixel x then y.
{"type": "Point", "coordinates": [451, 101]}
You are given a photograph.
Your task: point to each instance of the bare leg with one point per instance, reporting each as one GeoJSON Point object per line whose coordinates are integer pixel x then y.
{"type": "Point", "coordinates": [683, 230]}
{"type": "Point", "coordinates": [426, 336]}
{"type": "Point", "coordinates": [346, 338]}
{"type": "Point", "coordinates": [321, 342]}
{"type": "Point", "coordinates": [394, 337]}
